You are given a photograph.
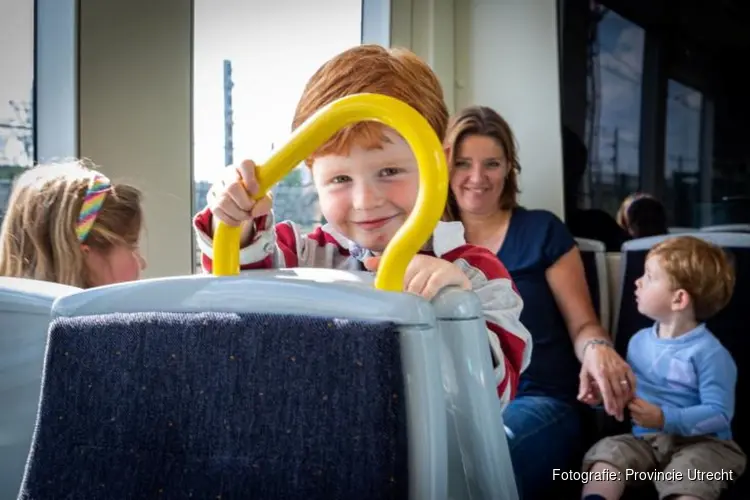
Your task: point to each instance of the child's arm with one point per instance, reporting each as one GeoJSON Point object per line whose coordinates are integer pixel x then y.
{"type": "Point", "coordinates": [278, 246]}
{"type": "Point", "coordinates": [717, 377]}
{"type": "Point", "coordinates": [264, 245]}
{"type": "Point", "coordinates": [267, 247]}
{"type": "Point", "coordinates": [510, 341]}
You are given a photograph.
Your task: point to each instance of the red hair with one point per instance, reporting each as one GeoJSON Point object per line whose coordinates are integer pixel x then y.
{"type": "Point", "coordinates": [396, 73]}
{"type": "Point", "coordinates": [700, 268]}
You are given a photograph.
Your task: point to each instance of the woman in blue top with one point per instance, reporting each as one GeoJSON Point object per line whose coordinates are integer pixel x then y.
{"type": "Point", "coordinates": [572, 355]}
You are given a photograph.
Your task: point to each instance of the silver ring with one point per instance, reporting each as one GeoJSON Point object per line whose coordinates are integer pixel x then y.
{"type": "Point", "coordinates": [624, 382]}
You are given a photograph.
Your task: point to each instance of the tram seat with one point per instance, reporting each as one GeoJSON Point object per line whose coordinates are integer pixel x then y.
{"type": "Point", "coordinates": [728, 325]}
{"type": "Point", "coordinates": [594, 257]}
{"type": "Point", "coordinates": [727, 228]}
{"type": "Point", "coordinates": [24, 318]}
{"type": "Point", "coordinates": [25, 306]}
{"type": "Point", "coordinates": [478, 456]}
{"type": "Point", "coordinates": [294, 383]}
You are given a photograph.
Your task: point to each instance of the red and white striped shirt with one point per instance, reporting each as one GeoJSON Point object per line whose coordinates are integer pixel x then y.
{"type": "Point", "coordinates": [285, 246]}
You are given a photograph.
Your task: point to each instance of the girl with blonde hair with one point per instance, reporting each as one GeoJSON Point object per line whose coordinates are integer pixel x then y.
{"type": "Point", "coordinates": [70, 224]}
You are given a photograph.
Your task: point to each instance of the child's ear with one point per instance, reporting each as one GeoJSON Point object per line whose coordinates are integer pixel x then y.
{"type": "Point", "coordinates": [681, 300]}
{"type": "Point", "coordinates": [447, 150]}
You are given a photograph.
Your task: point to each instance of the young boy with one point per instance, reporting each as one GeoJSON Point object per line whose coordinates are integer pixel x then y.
{"type": "Point", "coordinates": [682, 411]}
{"type": "Point", "coordinates": [367, 182]}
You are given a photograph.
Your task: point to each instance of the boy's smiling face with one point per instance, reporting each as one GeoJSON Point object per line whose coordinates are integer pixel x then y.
{"type": "Point", "coordinates": [368, 194]}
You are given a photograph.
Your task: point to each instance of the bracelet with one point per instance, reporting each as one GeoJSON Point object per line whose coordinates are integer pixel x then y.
{"type": "Point", "coordinates": [595, 342]}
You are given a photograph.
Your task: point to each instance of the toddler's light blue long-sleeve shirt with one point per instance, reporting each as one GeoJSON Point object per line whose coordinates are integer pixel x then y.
{"type": "Point", "coordinates": [691, 377]}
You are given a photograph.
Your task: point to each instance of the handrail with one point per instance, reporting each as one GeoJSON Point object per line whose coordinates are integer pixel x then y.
{"type": "Point", "coordinates": [433, 179]}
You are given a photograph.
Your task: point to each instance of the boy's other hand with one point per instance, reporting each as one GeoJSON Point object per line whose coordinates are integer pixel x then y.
{"type": "Point", "coordinates": [645, 414]}
{"type": "Point", "coordinates": [231, 198]}
{"type": "Point", "coordinates": [426, 275]}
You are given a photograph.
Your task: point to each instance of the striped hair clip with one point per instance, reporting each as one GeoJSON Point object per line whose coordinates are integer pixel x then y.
{"type": "Point", "coordinates": [92, 203]}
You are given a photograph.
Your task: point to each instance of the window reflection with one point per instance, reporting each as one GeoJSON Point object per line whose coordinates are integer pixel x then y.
{"type": "Point", "coordinates": [615, 69]}
{"type": "Point", "coordinates": [682, 179]}
{"type": "Point", "coordinates": [16, 93]}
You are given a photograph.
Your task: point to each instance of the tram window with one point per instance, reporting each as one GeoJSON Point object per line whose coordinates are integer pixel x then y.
{"type": "Point", "coordinates": [682, 173]}
{"type": "Point", "coordinates": [613, 114]}
{"type": "Point", "coordinates": [16, 93]}
{"type": "Point", "coordinates": [251, 62]}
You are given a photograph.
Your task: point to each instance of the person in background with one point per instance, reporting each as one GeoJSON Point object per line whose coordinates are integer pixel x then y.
{"type": "Point", "coordinates": [70, 224]}
{"type": "Point", "coordinates": [646, 216]}
{"type": "Point", "coordinates": [686, 382]}
{"type": "Point", "coordinates": [571, 351]}
{"type": "Point", "coordinates": [622, 212]}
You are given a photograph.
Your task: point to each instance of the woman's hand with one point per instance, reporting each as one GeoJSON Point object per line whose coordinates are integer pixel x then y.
{"type": "Point", "coordinates": [607, 377]}
{"type": "Point", "coordinates": [604, 374]}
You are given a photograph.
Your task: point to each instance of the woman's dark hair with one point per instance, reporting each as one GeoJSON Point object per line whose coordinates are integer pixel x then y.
{"type": "Point", "coordinates": [647, 217]}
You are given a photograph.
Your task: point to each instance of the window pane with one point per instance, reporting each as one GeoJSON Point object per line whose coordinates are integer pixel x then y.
{"type": "Point", "coordinates": [682, 182]}
{"type": "Point", "coordinates": [615, 69]}
{"type": "Point", "coordinates": [252, 60]}
{"type": "Point", "coordinates": [16, 92]}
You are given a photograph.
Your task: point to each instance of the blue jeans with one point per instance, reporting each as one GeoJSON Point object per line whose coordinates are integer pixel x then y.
{"type": "Point", "coordinates": [544, 433]}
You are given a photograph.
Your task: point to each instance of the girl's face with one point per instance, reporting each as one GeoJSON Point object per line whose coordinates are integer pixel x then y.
{"type": "Point", "coordinates": [119, 264]}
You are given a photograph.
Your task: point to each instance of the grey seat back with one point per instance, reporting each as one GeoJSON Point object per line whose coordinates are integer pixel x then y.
{"type": "Point", "coordinates": [260, 386]}
{"type": "Point", "coordinates": [727, 228]}
{"type": "Point", "coordinates": [594, 256]}
{"type": "Point", "coordinates": [24, 319]}
{"type": "Point", "coordinates": [479, 460]}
